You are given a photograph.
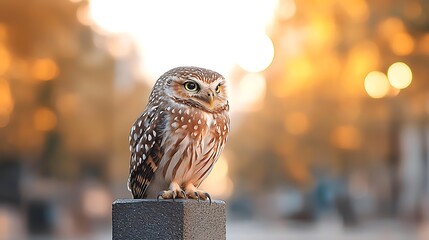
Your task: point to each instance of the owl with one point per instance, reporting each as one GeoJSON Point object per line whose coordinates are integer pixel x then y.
{"type": "Point", "coordinates": [180, 135]}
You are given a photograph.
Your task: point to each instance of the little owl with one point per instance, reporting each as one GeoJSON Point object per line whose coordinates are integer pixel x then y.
{"type": "Point", "coordinates": [178, 138]}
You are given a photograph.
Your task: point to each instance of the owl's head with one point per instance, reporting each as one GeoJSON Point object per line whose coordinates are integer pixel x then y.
{"type": "Point", "coordinates": [196, 87]}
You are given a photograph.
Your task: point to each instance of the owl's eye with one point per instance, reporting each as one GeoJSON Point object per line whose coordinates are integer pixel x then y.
{"type": "Point", "coordinates": [191, 86]}
{"type": "Point", "coordinates": [217, 89]}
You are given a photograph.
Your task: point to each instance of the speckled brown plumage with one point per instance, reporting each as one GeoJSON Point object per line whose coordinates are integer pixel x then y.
{"type": "Point", "coordinates": [180, 135]}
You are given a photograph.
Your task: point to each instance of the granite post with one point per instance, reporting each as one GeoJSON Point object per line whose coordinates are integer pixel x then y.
{"type": "Point", "coordinates": [165, 219]}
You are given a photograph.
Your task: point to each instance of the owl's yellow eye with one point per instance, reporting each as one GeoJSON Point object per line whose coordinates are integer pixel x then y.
{"type": "Point", "coordinates": [191, 86]}
{"type": "Point", "coordinates": [217, 89]}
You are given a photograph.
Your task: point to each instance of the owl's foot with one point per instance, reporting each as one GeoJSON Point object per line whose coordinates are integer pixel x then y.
{"type": "Point", "coordinates": [172, 193]}
{"type": "Point", "coordinates": [194, 193]}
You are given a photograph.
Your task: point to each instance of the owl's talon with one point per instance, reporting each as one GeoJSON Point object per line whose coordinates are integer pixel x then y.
{"type": "Point", "coordinates": [172, 193]}
{"type": "Point", "coordinates": [160, 195]}
{"type": "Point", "coordinates": [209, 197]}
{"type": "Point", "coordinates": [197, 196]}
{"type": "Point", "coordinates": [184, 194]}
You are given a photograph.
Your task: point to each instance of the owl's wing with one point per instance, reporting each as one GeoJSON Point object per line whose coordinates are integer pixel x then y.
{"type": "Point", "coordinates": [146, 152]}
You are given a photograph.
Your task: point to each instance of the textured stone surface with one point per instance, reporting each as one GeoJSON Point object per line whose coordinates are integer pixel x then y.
{"type": "Point", "coordinates": [165, 219]}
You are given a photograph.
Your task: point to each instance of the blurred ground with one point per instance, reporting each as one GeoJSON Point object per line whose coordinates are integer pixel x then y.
{"type": "Point", "coordinates": [329, 228]}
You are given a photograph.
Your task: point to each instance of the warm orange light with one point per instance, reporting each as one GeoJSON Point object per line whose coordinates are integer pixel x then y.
{"type": "Point", "coordinates": [3, 32]}
{"type": "Point", "coordinates": [424, 44]}
{"type": "Point", "coordinates": [296, 123]}
{"type": "Point", "coordinates": [67, 103]}
{"type": "Point", "coordinates": [413, 9]}
{"type": "Point", "coordinates": [82, 15]}
{"type": "Point", "coordinates": [119, 46]}
{"type": "Point", "coordinates": [298, 172]}
{"type": "Point", "coordinates": [6, 103]}
{"type": "Point", "coordinates": [286, 9]}
{"type": "Point", "coordinates": [218, 184]}
{"type": "Point", "coordinates": [4, 59]}
{"type": "Point", "coordinates": [300, 70]}
{"type": "Point", "coordinates": [4, 119]}
{"type": "Point", "coordinates": [390, 27]}
{"type": "Point", "coordinates": [323, 30]}
{"type": "Point", "coordinates": [393, 92]}
{"type": "Point", "coordinates": [376, 84]}
{"type": "Point", "coordinates": [6, 100]}
{"type": "Point", "coordinates": [346, 137]}
{"type": "Point", "coordinates": [356, 9]}
{"type": "Point", "coordinates": [44, 69]}
{"type": "Point", "coordinates": [363, 57]}
{"type": "Point", "coordinates": [251, 92]}
{"type": "Point", "coordinates": [400, 75]}
{"type": "Point", "coordinates": [44, 119]}
{"type": "Point", "coordinates": [402, 44]}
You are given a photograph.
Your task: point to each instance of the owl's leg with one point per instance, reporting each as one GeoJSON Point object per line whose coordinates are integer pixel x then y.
{"type": "Point", "coordinates": [194, 193]}
{"type": "Point", "coordinates": [173, 192]}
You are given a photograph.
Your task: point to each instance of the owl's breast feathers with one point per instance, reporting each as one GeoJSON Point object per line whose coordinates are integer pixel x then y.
{"type": "Point", "coordinates": [182, 143]}
{"type": "Point", "coordinates": [193, 142]}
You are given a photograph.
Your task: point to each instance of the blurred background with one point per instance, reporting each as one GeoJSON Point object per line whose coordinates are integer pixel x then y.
{"type": "Point", "coordinates": [329, 107]}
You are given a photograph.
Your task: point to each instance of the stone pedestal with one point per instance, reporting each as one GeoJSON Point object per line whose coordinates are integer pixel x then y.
{"type": "Point", "coordinates": [165, 219]}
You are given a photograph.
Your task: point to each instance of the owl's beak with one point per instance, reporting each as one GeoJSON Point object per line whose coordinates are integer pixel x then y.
{"type": "Point", "coordinates": [210, 98]}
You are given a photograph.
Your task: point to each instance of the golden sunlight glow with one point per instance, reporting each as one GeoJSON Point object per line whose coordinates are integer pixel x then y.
{"type": "Point", "coordinates": [215, 39]}
{"type": "Point", "coordinates": [402, 44]}
{"type": "Point", "coordinates": [82, 15]}
{"type": "Point", "coordinates": [4, 119]}
{"type": "Point", "coordinates": [298, 72]}
{"type": "Point", "coordinates": [119, 46]}
{"type": "Point", "coordinates": [376, 84]}
{"type": "Point", "coordinates": [356, 9]}
{"type": "Point", "coordinates": [400, 75]}
{"type": "Point", "coordinates": [424, 44]}
{"type": "Point", "coordinates": [67, 103]}
{"type": "Point", "coordinates": [346, 137]}
{"type": "Point", "coordinates": [3, 32]}
{"type": "Point", "coordinates": [363, 57]}
{"type": "Point", "coordinates": [390, 27]}
{"type": "Point", "coordinates": [251, 92]}
{"type": "Point", "coordinates": [218, 184]}
{"type": "Point", "coordinates": [256, 54]}
{"type": "Point", "coordinates": [286, 9]}
{"type": "Point", "coordinates": [393, 92]}
{"type": "Point", "coordinates": [323, 30]}
{"type": "Point", "coordinates": [413, 9]}
{"type": "Point", "coordinates": [44, 69]}
{"type": "Point", "coordinates": [4, 59]}
{"type": "Point", "coordinates": [299, 172]}
{"type": "Point", "coordinates": [44, 119]}
{"type": "Point", "coordinates": [6, 102]}
{"type": "Point", "coordinates": [296, 123]}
